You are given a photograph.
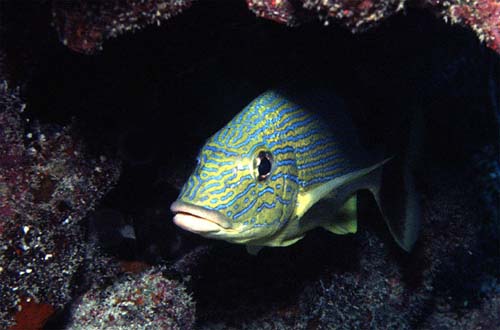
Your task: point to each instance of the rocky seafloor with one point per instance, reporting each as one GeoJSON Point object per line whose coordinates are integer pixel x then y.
{"type": "Point", "coordinates": [98, 134]}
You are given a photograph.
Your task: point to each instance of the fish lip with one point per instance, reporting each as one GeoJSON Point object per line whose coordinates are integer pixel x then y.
{"type": "Point", "coordinates": [203, 214]}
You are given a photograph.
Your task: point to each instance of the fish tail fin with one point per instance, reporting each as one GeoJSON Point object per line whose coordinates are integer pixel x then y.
{"type": "Point", "coordinates": [395, 192]}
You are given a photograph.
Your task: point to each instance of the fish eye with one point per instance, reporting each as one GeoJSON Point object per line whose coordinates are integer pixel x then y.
{"type": "Point", "coordinates": [263, 164]}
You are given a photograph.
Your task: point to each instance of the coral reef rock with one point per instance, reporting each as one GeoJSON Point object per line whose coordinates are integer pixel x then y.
{"type": "Point", "coordinates": [482, 16]}
{"type": "Point", "coordinates": [145, 301]}
{"type": "Point", "coordinates": [47, 185]}
{"type": "Point", "coordinates": [84, 25]}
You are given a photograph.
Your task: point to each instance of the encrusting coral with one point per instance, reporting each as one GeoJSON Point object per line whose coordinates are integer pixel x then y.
{"type": "Point", "coordinates": [47, 185]}
{"type": "Point", "coordinates": [145, 301]}
{"type": "Point", "coordinates": [84, 25]}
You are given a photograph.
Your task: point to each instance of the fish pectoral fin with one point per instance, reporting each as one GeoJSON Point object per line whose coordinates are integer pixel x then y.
{"type": "Point", "coordinates": [305, 200]}
{"type": "Point", "coordinates": [254, 249]}
{"type": "Point", "coordinates": [346, 219]}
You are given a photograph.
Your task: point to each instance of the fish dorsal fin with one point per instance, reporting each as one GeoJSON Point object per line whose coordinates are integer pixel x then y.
{"type": "Point", "coordinates": [306, 199]}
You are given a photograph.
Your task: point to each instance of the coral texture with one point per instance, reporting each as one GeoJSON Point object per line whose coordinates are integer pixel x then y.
{"type": "Point", "coordinates": [146, 301]}
{"type": "Point", "coordinates": [84, 25]}
{"type": "Point", "coordinates": [47, 185]}
{"type": "Point", "coordinates": [482, 16]}
{"type": "Point", "coordinates": [276, 10]}
{"type": "Point", "coordinates": [357, 16]}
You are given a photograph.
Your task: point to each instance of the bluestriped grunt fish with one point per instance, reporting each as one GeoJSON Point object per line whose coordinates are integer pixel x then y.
{"type": "Point", "coordinates": [287, 164]}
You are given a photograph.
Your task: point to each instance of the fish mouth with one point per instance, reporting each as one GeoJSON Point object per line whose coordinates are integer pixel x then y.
{"type": "Point", "coordinates": [198, 219]}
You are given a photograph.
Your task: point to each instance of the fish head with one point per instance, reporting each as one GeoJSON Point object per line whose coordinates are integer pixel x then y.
{"type": "Point", "coordinates": [243, 189]}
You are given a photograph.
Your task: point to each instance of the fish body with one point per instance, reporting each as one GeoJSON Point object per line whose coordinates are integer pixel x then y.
{"type": "Point", "coordinates": [286, 164]}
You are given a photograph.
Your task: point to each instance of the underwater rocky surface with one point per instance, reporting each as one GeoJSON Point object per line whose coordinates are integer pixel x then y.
{"type": "Point", "coordinates": [83, 25]}
{"type": "Point", "coordinates": [48, 184]}
{"type": "Point", "coordinates": [94, 148]}
{"type": "Point", "coordinates": [146, 301]}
